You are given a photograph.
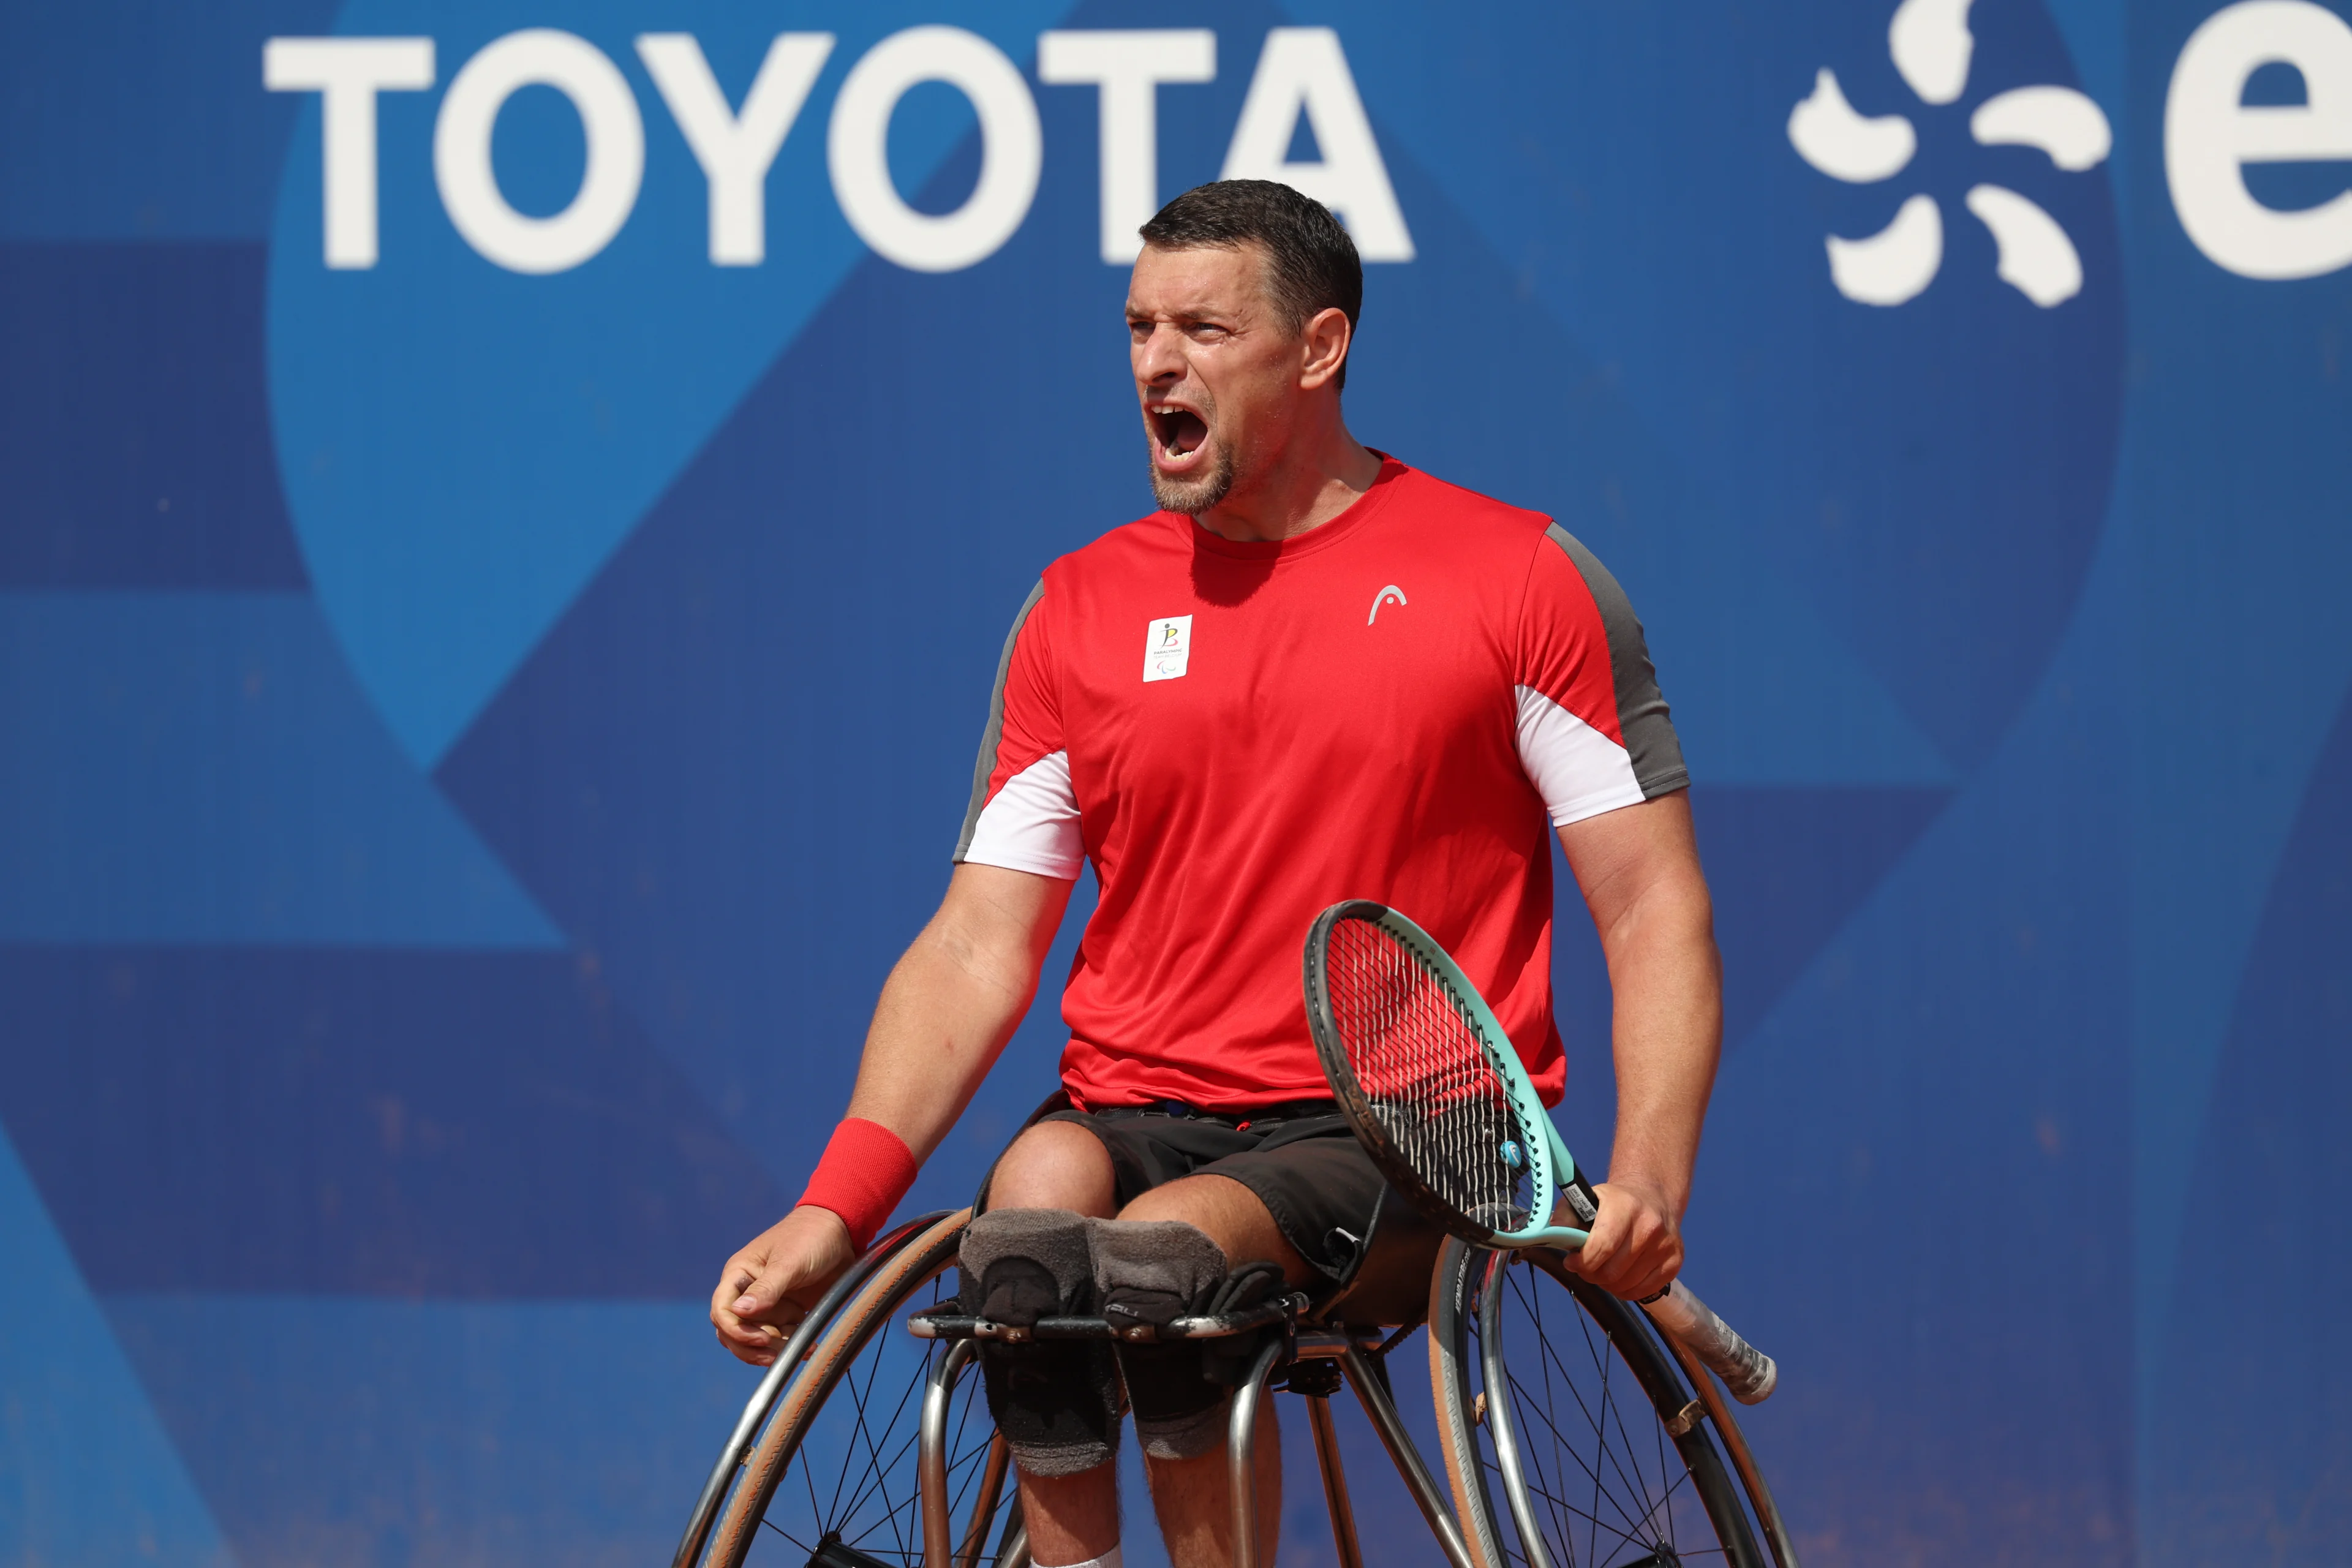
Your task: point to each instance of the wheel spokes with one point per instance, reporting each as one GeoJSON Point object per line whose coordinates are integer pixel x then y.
{"type": "Point", "coordinates": [1598, 1469]}
{"type": "Point", "coordinates": [858, 1460]}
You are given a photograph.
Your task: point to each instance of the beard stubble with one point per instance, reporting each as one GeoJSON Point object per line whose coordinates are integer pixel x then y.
{"type": "Point", "coordinates": [1195, 496]}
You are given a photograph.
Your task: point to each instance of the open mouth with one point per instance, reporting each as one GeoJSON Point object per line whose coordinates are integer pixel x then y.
{"type": "Point", "coordinates": [1177, 431]}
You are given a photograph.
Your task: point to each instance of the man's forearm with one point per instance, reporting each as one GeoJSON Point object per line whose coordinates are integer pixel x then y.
{"type": "Point", "coordinates": [946, 1012]}
{"type": "Point", "coordinates": [1639, 868]}
{"type": "Point", "coordinates": [1668, 1033]}
{"type": "Point", "coordinates": [935, 1032]}
{"type": "Point", "coordinates": [953, 1001]}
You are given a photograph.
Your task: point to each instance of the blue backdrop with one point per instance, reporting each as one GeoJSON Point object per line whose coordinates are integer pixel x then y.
{"type": "Point", "coordinates": [472, 741]}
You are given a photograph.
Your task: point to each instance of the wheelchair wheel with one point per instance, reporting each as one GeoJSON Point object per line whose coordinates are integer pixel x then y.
{"type": "Point", "coordinates": [1570, 1438]}
{"type": "Point", "coordinates": [832, 1481]}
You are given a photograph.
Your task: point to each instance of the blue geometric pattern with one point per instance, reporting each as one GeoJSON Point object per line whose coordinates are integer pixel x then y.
{"type": "Point", "coordinates": [2274, 1124]}
{"type": "Point", "coordinates": [138, 458]}
{"type": "Point", "coordinates": [198, 767]}
{"type": "Point", "coordinates": [362, 1121]}
{"type": "Point", "coordinates": [92, 1476]}
{"type": "Point", "coordinates": [472, 745]}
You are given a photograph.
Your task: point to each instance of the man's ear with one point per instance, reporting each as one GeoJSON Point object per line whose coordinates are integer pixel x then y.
{"type": "Point", "coordinates": [1323, 346]}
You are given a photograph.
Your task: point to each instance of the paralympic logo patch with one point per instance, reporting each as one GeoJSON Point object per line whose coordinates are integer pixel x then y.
{"type": "Point", "coordinates": [1168, 648]}
{"type": "Point", "coordinates": [1932, 49]}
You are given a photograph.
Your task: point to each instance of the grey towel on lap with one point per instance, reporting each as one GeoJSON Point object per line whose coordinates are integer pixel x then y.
{"type": "Point", "coordinates": [1056, 1403]}
{"type": "Point", "coordinates": [1020, 1265]}
{"type": "Point", "coordinates": [1155, 1271]}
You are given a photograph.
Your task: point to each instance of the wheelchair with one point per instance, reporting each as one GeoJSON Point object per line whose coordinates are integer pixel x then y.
{"type": "Point", "coordinates": [1572, 1434]}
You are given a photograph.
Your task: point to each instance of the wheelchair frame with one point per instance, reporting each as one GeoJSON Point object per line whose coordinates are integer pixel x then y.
{"type": "Point", "coordinates": [1325, 1354]}
{"type": "Point", "coordinates": [1356, 1351]}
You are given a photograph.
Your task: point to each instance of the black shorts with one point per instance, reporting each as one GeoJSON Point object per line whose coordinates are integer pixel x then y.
{"type": "Point", "coordinates": [1300, 1159]}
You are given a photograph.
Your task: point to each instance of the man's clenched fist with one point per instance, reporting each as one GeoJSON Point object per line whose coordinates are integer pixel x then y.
{"type": "Point", "coordinates": [1637, 1248]}
{"type": "Point", "coordinates": [766, 1288]}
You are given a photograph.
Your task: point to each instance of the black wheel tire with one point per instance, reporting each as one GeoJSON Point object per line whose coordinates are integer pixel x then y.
{"type": "Point", "coordinates": [869, 1513]}
{"type": "Point", "coordinates": [1643, 1478]}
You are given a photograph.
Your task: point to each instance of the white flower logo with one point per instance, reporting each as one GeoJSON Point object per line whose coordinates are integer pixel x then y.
{"type": "Point", "coordinates": [1930, 42]}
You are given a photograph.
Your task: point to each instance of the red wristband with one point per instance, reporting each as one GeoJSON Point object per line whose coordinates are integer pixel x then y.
{"type": "Point", "coordinates": [867, 1168]}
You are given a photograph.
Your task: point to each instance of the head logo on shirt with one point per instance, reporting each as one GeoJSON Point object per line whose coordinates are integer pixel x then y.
{"type": "Point", "coordinates": [1391, 594]}
{"type": "Point", "coordinates": [1167, 648]}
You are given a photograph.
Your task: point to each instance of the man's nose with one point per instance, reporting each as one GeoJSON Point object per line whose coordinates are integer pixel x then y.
{"type": "Point", "coordinates": [1161, 356]}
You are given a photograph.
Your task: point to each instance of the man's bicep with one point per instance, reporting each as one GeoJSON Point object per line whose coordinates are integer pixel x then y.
{"type": "Point", "coordinates": [1636, 851]}
{"type": "Point", "coordinates": [1005, 916]}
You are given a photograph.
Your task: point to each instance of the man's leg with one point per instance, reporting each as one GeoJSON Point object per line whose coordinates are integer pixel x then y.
{"type": "Point", "coordinates": [1060, 1165]}
{"type": "Point", "coordinates": [1193, 1497]}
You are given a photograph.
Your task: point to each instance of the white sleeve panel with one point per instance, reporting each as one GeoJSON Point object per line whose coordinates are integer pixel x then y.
{"type": "Point", "coordinates": [1579, 771]}
{"type": "Point", "coordinates": [1031, 823]}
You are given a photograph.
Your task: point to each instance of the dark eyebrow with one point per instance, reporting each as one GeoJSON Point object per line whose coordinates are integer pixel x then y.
{"type": "Point", "coordinates": [1184, 320]}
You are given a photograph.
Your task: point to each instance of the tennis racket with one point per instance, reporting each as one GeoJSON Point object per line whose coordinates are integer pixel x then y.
{"type": "Point", "coordinates": [1435, 1093]}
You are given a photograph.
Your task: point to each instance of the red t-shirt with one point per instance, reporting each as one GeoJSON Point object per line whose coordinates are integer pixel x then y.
{"type": "Point", "coordinates": [1237, 735]}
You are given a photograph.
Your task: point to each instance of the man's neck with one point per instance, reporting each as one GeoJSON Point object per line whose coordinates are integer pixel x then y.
{"type": "Point", "coordinates": [1308, 484]}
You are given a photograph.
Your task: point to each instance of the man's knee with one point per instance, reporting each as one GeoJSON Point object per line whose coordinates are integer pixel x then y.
{"type": "Point", "coordinates": [1055, 1165]}
{"type": "Point", "coordinates": [1193, 1200]}
{"type": "Point", "coordinates": [1230, 1213]}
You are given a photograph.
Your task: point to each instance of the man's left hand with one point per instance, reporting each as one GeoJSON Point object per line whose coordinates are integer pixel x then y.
{"type": "Point", "coordinates": [1637, 1248]}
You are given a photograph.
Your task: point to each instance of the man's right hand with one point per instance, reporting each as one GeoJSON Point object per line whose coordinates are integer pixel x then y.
{"type": "Point", "coordinates": [766, 1288]}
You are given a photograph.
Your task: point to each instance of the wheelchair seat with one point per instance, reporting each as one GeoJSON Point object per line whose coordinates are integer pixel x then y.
{"type": "Point", "coordinates": [1388, 1285]}
{"type": "Point", "coordinates": [1388, 1282]}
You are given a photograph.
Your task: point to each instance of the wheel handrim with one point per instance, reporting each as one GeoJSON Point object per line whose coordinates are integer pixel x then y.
{"type": "Point", "coordinates": [852, 1479]}
{"type": "Point", "coordinates": [833, 1477]}
{"type": "Point", "coordinates": [1575, 1443]}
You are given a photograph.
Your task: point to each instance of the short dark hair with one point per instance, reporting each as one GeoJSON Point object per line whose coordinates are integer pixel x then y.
{"type": "Point", "coordinates": [1311, 264]}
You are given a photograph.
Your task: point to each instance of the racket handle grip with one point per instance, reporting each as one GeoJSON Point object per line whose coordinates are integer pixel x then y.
{"type": "Point", "coordinates": [1748, 1372]}
{"type": "Point", "coordinates": [1582, 1200]}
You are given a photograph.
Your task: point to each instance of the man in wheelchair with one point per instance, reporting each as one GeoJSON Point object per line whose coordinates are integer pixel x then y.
{"type": "Point", "coordinates": [1355, 681]}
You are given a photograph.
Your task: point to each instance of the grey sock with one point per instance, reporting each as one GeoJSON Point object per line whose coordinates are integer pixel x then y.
{"type": "Point", "coordinates": [1155, 1271]}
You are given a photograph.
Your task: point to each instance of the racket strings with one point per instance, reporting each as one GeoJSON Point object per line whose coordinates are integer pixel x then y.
{"type": "Point", "coordinates": [1420, 1063]}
